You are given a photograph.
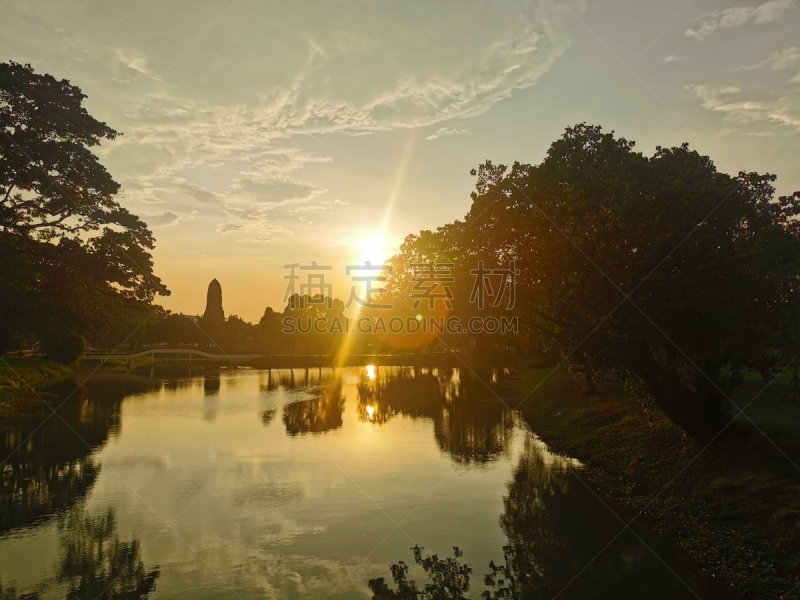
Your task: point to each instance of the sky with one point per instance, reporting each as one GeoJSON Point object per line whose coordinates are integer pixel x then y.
{"type": "Point", "coordinates": [262, 134]}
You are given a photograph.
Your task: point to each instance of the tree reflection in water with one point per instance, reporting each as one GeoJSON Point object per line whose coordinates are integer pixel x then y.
{"type": "Point", "coordinates": [94, 563]}
{"type": "Point", "coordinates": [321, 413]}
{"type": "Point", "coordinates": [50, 468]}
{"type": "Point", "coordinates": [50, 462]}
{"type": "Point", "coordinates": [470, 424]}
{"type": "Point", "coordinates": [448, 579]}
{"type": "Point", "coordinates": [561, 542]}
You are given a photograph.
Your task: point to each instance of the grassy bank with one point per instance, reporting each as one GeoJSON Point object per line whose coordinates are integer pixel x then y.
{"type": "Point", "coordinates": [18, 376]}
{"type": "Point", "coordinates": [733, 507]}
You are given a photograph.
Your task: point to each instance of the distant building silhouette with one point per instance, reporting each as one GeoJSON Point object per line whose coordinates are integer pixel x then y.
{"type": "Point", "coordinates": [214, 312]}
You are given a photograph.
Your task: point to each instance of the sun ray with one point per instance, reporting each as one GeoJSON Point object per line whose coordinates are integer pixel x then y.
{"type": "Point", "coordinates": [373, 248]}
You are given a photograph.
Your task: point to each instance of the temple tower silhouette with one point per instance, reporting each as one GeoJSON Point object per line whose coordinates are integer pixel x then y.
{"type": "Point", "coordinates": [214, 312]}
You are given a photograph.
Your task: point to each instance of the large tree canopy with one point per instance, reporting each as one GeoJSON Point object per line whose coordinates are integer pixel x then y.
{"type": "Point", "coordinates": [64, 236]}
{"type": "Point", "coordinates": [661, 267]}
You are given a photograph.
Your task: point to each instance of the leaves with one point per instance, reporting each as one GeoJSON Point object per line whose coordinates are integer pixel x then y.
{"type": "Point", "coordinates": [80, 255]}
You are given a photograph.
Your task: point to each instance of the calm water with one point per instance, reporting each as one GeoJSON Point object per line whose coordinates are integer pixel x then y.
{"type": "Point", "coordinates": [301, 484]}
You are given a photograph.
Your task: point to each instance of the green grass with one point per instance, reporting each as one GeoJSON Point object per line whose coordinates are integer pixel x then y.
{"type": "Point", "coordinates": [733, 507]}
{"type": "Point", "coordinates": [18, 377]}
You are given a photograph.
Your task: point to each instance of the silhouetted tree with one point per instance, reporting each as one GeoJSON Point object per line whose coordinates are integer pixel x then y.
{"type": "Point", "coordinates": [270, 330]}
{"type": "Point", "coordinates": [78, 256]}
{"type": "Point", "coordinates": [660, 266]}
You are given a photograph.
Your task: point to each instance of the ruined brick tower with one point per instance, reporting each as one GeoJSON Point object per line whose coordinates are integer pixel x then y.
{"type": "Point", "coordinates": [214, 312]}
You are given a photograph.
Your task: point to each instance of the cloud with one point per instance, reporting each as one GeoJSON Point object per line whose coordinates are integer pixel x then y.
{"type": "Point", "coordinates": [672, 58]}
{"type": "Point", "coordinates": [782, 112]}
{"type": "Point", "coordinates": [445, 131]}
{"type": "Point", "coordinates": [164, 219]}
{"type": "Point", "coordinates": [130, 65]}
{"type": "Point", "coordinates": [199, 193]}
{"type": "Point", "coordinates": [778, 60]}
{"type": "Point", "coordinates": [234, 134]}
{"type": "Point", "coordinates": [737, 16]}
{"type": "Point", "coordinates": [274, 191]}
{"type": "Point", "coordinates": [257, 223]}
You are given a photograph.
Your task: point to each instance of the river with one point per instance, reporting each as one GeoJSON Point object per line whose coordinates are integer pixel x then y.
{"type": "Point", "coordinates": [305, 483]}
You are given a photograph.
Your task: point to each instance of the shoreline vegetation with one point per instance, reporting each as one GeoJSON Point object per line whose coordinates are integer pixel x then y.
{"type": "Point", "coordinates": [732, 507]}
{"type": "Point", "coordinates": [19, 376]}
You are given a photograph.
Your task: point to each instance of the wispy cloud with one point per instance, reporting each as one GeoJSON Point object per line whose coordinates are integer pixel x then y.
{"type": "Point", "coordinates": [232, 135]}
{"type": "Point", "coordinates": [782, 112]}
{"type": "Point", "coordinates": [274, 191]}
{"type": "Point", "coordinates": [737, 16]}
{"type": "Point", "coordinates": [164, 219]}
{"type": "Point", "coordinates": [445, 131]}
{"type": "Point", "coordinates": [673, 58]}
{"type": "Point", "coordinates": [130, 65]}
{"type": "Point", "coordinates": [778, 60]}
{"type": "Point", "coordinates": [199, 193]}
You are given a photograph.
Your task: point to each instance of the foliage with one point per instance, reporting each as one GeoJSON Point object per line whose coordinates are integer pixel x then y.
{"type": "Point", "coordinates": [20, 375]}
{"type": "Point", "coordinates": [625, 260]}
{"type": "Point", "coordinates": [448, 579]}
{"type": "Point", "coordinates": [63, 345]}
{"type": "Point", "coordinates": [72, 256]}
{"type": "Point", "coordinates": [317, 322]}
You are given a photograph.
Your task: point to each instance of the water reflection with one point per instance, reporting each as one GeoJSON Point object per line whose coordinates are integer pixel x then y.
{"type": "Point", "coordinates": [557, 528]}
{"type": "Point", "coordinates": [321, 413]}
{"type": "Point", "coordinates": [563, 541]}
{"type": "Point", "coordinates": [268, 415]}
{"type": "Point", "coordinates": [470, 423]}
{"type": "Point", "coordinates": [211, 384]}
{"type": "Point", "coordinates": [94, 562]}
{"type": "Point", "coordinates": [255, 496]}
{"type": "Point", "coordinates": [291, 379]}
{"type": "Point", "coordinates": [49, 463]}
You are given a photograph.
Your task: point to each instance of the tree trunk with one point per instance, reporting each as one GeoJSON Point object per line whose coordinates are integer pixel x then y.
{"type": "Point", "coordinates": [701, 414]}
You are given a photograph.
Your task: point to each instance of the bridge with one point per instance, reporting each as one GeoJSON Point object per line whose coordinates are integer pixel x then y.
{"type": "Point", "coordinates": [186, 353]}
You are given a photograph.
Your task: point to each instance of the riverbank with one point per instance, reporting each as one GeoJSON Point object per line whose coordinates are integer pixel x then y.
{"type": "Point", "coordinates": [19, 376]}
{"type": "Point", "coordinates": [733, 507]}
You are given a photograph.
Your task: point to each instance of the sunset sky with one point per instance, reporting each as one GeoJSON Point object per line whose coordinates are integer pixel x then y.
{"type": "Point", "coordinates": [257, 134]}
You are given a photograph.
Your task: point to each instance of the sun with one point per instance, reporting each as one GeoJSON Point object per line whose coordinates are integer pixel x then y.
{"type": "Point", "coordinates": [372, 250]}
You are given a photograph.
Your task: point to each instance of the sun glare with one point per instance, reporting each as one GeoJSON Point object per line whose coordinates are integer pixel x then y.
{"type": "Point", "coordinates": [372, 250]}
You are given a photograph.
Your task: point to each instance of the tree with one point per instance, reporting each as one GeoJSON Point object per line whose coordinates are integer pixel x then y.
{"type": "Point", "coordinates": [59, 216]}
{"type": "Point", "coordinates": [661, 266]}
{"type": "Point", "coordinates": [317, 320]}
{"type": "Point", "coordinates": [270, 330]}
